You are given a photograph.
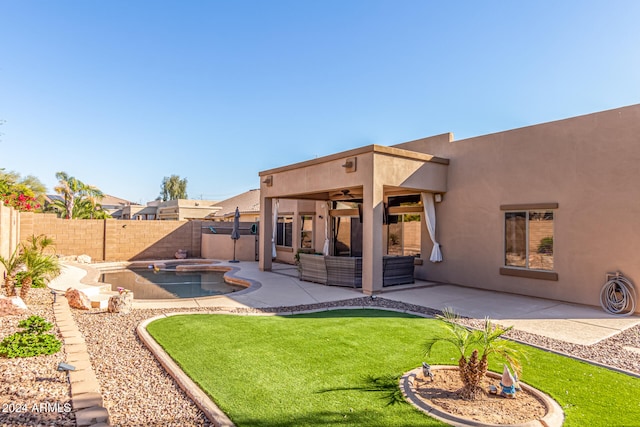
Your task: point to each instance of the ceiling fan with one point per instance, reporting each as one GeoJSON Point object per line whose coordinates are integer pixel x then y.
{"type": "Point", "coordinates": [344, 195]}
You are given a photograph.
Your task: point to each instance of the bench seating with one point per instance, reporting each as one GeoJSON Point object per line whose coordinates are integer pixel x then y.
{"type": "Point", "coordinates": [313, 268]}
{"type": "Point", "coordinates": [344, 271]}
{"type": "Point", "coordinates": [397, 270]}
{"type": "Point", "coordinates": [347, 271]}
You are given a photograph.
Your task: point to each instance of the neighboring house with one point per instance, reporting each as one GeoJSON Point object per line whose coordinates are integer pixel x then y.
{"type": "Point", "coordinates": [184, 209]}
{"type": "Point", "coordinates": [114, 205]}
{"type": "Point", "coordinates": [140, 212]}
{"type": "Point", "coordinates": [545, 210]}
{"type": "Point", "coordinates": [248, 203]}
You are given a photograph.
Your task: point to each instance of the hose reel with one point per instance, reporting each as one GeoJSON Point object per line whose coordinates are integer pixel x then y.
{"type": "Point", "coordinates": [618, 296]}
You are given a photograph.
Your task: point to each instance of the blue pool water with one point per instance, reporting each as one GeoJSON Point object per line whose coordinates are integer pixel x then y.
{"type": "Point", "coordinates": [169, 284]}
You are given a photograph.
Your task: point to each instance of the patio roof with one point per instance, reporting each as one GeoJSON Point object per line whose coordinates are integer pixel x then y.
{"type": "Point", "coordinates": [368, 175]}
{"type": "Point", "coordinates": [350, 172]}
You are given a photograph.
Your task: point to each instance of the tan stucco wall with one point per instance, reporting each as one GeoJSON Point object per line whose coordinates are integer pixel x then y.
{"type": "Point", "coordinates": [9, 232]}
{"type": "Point", "coordinates": [589, 165]}
{"type": "Point", "coordinates": [220, 246]}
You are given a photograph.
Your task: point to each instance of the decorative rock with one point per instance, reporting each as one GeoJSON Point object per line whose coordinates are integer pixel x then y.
{"type": "Point", "coordinates": [121, 303]}
{"type": "Point", "coordinates": [11, 306]}
{"type": "Point", "coordinates": [77, 299]}
{"type": "Point", "coordinates": [181, 254]}
{"type": "Point", "coordinates": [84, 259]}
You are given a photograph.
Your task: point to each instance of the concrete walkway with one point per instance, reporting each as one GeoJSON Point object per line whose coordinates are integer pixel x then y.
{"type": "Point", "coordinates": [570, 323]}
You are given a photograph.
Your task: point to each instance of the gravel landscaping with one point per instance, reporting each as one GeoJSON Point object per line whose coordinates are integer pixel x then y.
{"type": "Point", "coordinates": [137, 391]}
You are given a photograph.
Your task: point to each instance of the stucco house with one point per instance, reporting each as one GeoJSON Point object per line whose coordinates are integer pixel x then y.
{"type": "Point", "coordinates": [545, 210]}
{"type": "Point", "coordinates": [248, 204]}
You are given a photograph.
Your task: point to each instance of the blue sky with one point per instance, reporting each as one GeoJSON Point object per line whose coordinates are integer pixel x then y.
{"type": "Point", "coordinates": [123, 93]}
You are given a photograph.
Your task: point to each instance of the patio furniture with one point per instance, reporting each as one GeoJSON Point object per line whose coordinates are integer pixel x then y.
{"type": "Point", "coordinates": [313, 268]}
{"type": "Point", "coordinates": [347, 271]}
{"type": "Point", "coordinates": [397, 270]}
{"type": "Point", "coordinates": [344, 271]}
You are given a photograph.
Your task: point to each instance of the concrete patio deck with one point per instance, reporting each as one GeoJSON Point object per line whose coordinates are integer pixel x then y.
{"type": "Point", "coordinates": [572, 323]}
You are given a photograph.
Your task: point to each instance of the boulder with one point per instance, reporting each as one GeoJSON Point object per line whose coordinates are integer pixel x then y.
{"type": "Point", "coordinates": [11, 305]}
{"type": "Point", "coordinates": [77, 299]}
{"type": "Point", "coordinates": [84, 259]}
{"type": "Point", "coordinates": [121, 303]}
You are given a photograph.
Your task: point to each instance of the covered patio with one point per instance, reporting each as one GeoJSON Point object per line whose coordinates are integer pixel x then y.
{"type": "Point", "coordinates": [363, 187]}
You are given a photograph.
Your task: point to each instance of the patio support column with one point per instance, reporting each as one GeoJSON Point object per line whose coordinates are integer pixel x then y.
{"type": "Point", "coordinates": [372, 245]}
{"type": "Point", "coordinates": [266, 233]}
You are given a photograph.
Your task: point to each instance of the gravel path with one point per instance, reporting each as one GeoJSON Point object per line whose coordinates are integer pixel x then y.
{"type": "Point", "coordinates": [32, 391]}
{"type": "Point", "coordinates": [137, 391]}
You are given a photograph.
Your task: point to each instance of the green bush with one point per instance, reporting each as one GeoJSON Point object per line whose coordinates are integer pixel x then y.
{"type": "Point", "coordinates": [35, 325]}
{"type": "Point", "coordinates": [546, 245]}
{"type": "Point", "coordinates": [32, 341]}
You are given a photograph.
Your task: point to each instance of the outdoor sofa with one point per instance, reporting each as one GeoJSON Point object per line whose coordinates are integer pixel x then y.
{"type": "Point", "coordinates": [347, 271]}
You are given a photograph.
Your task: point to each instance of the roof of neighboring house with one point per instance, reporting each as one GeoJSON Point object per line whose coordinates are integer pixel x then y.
{"type": "Point", "coordinates": [247, 202]}
{"type": "Point", "coordinates": [109, 200]}
{"type": "Point", "coordinates": [106, 202]}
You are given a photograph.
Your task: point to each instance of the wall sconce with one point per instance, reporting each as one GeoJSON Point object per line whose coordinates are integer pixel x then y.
{"type": "Point", "coordinates": [437, 198]}
{"type": "Point", "coordinates": [124, 226]}
{"type": "Point", "coordinates": [268, 181]}
{"type": "Point", "coordinates": [350, 164]}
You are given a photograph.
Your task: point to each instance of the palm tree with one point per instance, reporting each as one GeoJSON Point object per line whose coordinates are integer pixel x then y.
{"type": "Point", "coordinates": [68, 187]}
{"type": "Point", "coordinates": [39, 243]}
{"type": "Point", "coordinates": [40, 269]}
{"type": "Point", "coordinates": [12, 266]}
{"type": "Point", "coordinates": [76, 193]}
{"type": "Point", "coordinates": [474, 348]}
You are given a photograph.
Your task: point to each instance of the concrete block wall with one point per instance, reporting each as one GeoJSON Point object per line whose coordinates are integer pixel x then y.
{"type": "Point", "coordinates": [115, 240]}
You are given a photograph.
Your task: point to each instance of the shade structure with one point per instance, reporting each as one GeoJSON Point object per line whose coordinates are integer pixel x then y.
{"type": "Point", "coordinates": [235, 232]}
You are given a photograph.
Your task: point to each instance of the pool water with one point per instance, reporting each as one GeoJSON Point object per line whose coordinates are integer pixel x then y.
{"type": "Point", "coordinates": [169, 284]}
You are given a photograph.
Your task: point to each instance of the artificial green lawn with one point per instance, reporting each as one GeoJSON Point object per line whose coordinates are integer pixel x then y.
{"type": "Point", "coordinates": [333, 368]}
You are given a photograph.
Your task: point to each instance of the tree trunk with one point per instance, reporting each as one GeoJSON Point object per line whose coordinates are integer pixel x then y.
{"type": "Point", "coordinates": [471, 374]}
{"type": "Point", "coordinates": [24, 290]}
{"type": "Point", "coordinates": [9, 287]}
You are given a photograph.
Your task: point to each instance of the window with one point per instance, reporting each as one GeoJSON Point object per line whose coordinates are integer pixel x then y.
{"type": "Point", "coordinates": [285, 231]}
{"type": "Point", "coordinates": [404, 234]}
{"type": "Point", "coordinates": [306, 231]}
{"type": "Point", "coordinates": [529, 239]}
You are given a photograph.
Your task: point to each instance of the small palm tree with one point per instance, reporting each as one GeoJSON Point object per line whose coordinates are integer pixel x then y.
{"type": "Point", "coordinates": [12, 266]}
{"type": "Point", "coordinates": [28, 266]}
{"type": "Point", "coordinates": [39, 270]}
{"type": "Point", "coordinates": [39, 243]}
{"type": "Point", "coordinates": [474, 348]}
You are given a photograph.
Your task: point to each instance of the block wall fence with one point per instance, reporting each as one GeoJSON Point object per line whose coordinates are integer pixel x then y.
{"type": "Point", "coordinates": [114, 240]}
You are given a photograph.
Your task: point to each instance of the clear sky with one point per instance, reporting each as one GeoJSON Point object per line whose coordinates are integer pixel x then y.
{"type": "Point", "coordinates": [121, 93]}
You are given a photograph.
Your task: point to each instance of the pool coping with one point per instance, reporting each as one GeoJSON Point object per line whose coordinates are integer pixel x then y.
{"type": "Point", "coordinates": [95, 270]}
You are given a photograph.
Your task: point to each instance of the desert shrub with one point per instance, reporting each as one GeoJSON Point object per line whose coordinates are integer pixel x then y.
{"type": "Point", "coordinates": [32, 341]}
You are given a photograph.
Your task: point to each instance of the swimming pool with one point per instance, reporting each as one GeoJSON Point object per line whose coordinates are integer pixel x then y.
{"type": "Point", "coordinates": [149, 283]}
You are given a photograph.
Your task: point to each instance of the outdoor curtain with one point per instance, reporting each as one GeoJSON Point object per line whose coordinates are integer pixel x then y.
{"type": "Point", "coordinates": [325, 248]}
{"type": "Point", "coordinates": [274, 254]}
{"type": "Point", "coordinates": [430, 217]}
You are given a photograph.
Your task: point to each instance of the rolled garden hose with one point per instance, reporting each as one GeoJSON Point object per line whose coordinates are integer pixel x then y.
{"type": "Point", "coordinates": [618, 295]}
